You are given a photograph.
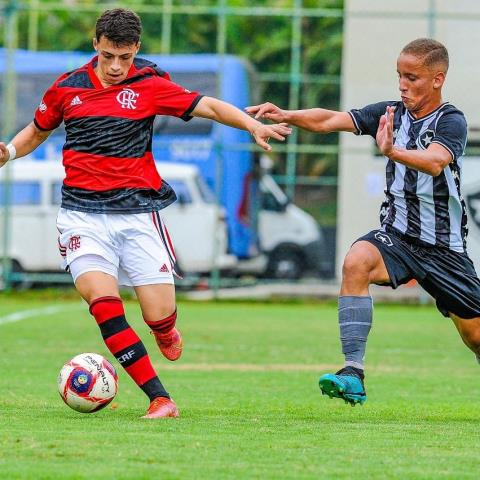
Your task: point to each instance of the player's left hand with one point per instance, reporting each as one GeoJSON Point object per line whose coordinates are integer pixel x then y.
{"type": "Point", "coordinates": [384, 135]}
{"type": "Point", "coordinates": [262, 134]}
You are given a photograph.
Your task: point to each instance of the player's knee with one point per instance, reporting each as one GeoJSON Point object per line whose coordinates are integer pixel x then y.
{"type": "Point", "coordinates": [355, 266]}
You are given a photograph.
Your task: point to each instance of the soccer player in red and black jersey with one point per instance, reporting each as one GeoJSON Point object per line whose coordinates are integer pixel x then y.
{"type": "Point", "coordinates": [111, 232]}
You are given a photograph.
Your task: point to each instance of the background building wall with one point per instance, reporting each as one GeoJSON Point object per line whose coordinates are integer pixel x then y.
{"type": "Point", "coordinates": [374, 33]}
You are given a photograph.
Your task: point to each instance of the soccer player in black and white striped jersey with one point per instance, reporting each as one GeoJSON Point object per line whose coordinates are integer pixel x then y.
{"type": "Point", "coordinates": [424, 227]}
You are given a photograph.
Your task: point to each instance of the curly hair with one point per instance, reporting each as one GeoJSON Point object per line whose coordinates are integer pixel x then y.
{"type": "Point", "coordinates": [120, 26]}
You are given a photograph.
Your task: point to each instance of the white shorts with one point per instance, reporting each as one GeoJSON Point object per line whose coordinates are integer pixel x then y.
{"type": "Point", "coordinates": [137, 245]}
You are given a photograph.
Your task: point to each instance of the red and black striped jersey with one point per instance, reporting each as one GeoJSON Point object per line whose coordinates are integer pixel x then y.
{"type": "Point", "coordinates": [107, 154]}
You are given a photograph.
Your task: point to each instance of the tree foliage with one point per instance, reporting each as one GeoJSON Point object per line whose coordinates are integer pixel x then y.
{"type": "Point", "coordinates": [264, 40]}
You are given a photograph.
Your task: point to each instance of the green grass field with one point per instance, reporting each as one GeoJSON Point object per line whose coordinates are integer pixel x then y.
{"type": "Point", "coordinates": [248, 395]}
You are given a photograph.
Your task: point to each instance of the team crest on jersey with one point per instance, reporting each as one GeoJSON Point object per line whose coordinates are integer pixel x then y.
{"type": "Point", "coordinates": [42, 107]}
{"type": "Point", "coordinates": [425, 139]}
{"type": "Point", "coordinates": [127, 98]}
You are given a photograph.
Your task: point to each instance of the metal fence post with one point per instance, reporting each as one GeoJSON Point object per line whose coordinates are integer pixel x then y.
{"type": "Point", "coordinates": [166, 27]}
{"type": "Point", "coordinates": [295, 71]}
{"type": "Point", "coordinates": [9, 120]}
{"type": "Point", "coordinates": [33, 15]}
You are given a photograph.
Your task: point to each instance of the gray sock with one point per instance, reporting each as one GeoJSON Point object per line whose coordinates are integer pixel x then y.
{"type": "Point", "coordinates": [355, 319]}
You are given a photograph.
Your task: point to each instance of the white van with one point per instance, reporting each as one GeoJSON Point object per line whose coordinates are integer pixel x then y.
{"type": "Point", "coordinates": [290, 239]}
{"type": "Point", "coordinates": [196, 223]}
{"type": "Point", "coordinates": [289, 236]}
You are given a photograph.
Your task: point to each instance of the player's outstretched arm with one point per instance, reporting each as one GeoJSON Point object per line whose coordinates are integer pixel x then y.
{"type": "Point", "coordinates": [214, 109]}
{"type": "Point", "coordinates": [24, 142]}
{"type": "Point", "coordinates": [314, 119]}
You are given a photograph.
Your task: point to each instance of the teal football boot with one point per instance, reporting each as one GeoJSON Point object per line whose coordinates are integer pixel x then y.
{"type": "Point", "coordinates": [346, 384]}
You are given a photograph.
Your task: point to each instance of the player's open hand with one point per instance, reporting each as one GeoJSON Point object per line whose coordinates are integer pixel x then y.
{"type": "Point", "coordinates": [384, 135]}
{"type": "Point", "coordinates": [4, 154]}
{"type": "Point", "coordinates": [267, 110]}
{"type": "Point", "coordinates": [262, 134]}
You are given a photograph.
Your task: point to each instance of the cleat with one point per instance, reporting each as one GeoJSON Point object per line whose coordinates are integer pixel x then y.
{"type": "Point", "coordinates": [170, 344]}
{"type": "Point", "coordinates": [162, 407]}
{"type": "Point", "coordinates": [346, 384]}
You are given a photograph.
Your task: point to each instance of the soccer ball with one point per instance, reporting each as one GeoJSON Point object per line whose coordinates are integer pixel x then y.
{"type": "Point", "coordinates": [87, 383]}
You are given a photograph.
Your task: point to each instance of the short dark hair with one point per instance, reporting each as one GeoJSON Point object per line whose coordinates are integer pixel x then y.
{"type": "Point", "coordinates": [120, 26]}
{"type": "Point", "coordinates": [432, 52]}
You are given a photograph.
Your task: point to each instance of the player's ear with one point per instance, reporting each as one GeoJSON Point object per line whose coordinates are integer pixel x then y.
{"type": "Point", "coordinates": [438, 80]}
{"type": "Point", "coordinates": [95, 43]}
{"type": "Point", "coordinates": [138, 47]}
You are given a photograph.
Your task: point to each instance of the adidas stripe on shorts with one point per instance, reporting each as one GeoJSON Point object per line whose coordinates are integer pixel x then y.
{"type": "Point", "coordinates": [136, 246]}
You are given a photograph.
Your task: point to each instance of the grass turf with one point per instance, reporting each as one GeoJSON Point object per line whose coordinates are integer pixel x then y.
{"type": "Point", "coordinates": [248, 395]}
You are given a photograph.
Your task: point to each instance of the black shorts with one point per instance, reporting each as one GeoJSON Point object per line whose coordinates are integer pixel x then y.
{"type": "Point", "coordinates": [448, 276]}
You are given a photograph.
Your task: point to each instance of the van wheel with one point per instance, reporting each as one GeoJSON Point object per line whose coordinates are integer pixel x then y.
{"type": "Point", "coordinates": [285, 263]}
{"type": "Point", "coordinates": [16, 268]}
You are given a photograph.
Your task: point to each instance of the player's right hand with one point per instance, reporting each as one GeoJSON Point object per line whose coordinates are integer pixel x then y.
{"type": "Point", "coordinates": [4, 154]}
{"type": "Point", "coordinates": [267, 110]}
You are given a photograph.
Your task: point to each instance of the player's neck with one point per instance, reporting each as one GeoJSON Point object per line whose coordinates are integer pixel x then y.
{"type": "Point", "coordinates": [103, 82]}
{"type": "Point", "coordinates": [428, 108]}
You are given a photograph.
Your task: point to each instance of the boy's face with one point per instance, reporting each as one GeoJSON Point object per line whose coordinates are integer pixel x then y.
{"type": "Point", "coordinates": [114, 62]}
{"type": "Point", "coordinates": [420, 86]}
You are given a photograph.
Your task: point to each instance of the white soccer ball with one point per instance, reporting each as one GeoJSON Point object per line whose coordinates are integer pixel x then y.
{"type": "Point", "coordinates": [88, 382]}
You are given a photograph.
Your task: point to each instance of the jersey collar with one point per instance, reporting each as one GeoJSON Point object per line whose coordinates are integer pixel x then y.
{"type": "Point", "coordinates": [427, 116]}
{"type": "Point", "coordinates": [96, 81]}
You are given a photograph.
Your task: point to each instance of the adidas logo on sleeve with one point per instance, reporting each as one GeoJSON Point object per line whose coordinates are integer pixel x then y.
{"type": "Point", "coordinates": [76, 101]}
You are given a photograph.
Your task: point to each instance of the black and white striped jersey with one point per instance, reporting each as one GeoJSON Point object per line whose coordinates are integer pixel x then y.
{"type": "Point", "coordinates": [422, 207]}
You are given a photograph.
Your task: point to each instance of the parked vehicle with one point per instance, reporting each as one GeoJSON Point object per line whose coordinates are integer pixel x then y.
{"type": "Point", "coordinates": [35, 192]}
{"type": "Point", "coordinates": [278, 240]}
{"type": "Point", "coordinates": [290, 237]}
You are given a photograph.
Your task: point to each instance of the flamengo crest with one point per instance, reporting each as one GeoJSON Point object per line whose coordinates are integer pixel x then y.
{"type": "Point", "coordinates": [127, 98]}
{"type": "Point", "coordinates": [74, 243]}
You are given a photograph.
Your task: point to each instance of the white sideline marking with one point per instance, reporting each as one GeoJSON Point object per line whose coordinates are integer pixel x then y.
{"type": "Point", "coordinates": [17, 316]}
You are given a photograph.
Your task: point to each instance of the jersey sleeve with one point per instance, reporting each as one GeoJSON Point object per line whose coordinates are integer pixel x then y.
{"type": "Point", "coordinates": [175, 100]}
{"type": "Point", "coordinates": [366, 119]}
{"type": "Point", "coordinates": [49, 114]}
{"type": "Point", "coordinates": [451, 133]}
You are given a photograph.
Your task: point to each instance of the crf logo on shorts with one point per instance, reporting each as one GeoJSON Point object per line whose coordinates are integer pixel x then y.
{"type": "Point", "coordinates": [74, 243]}
{"type": "Point", "coordinates": [127, 98]}
{"type": "Point", "coordinates": [384, 238]}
